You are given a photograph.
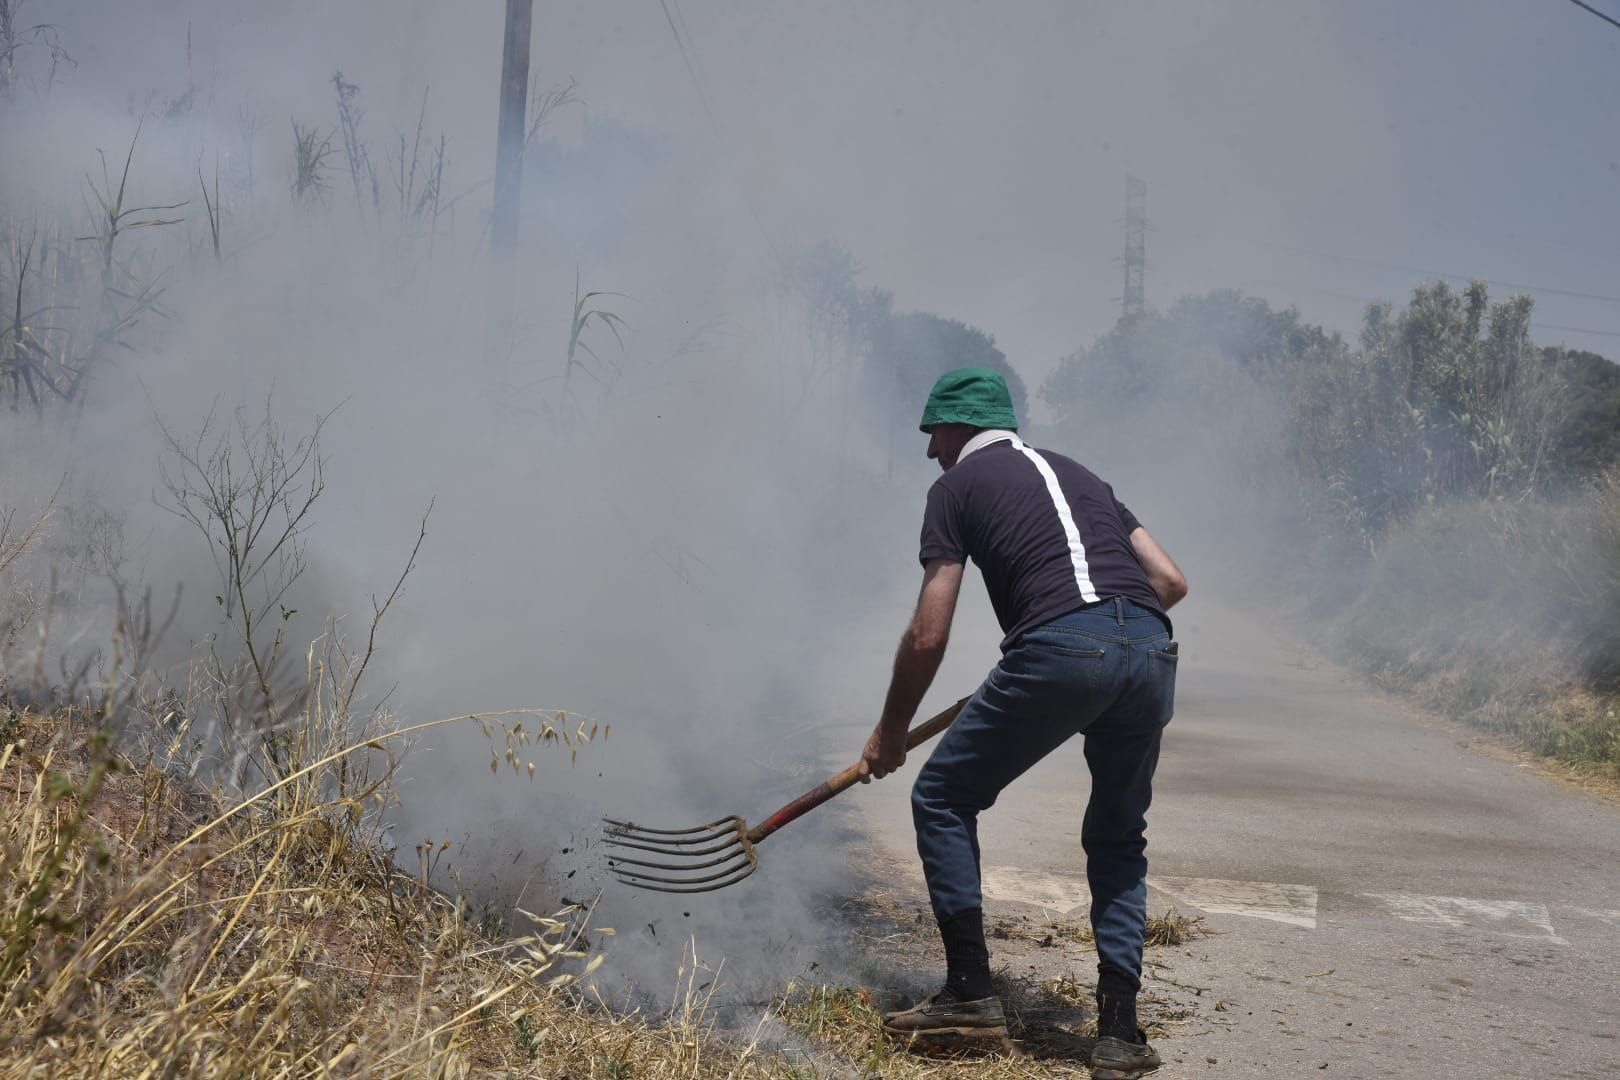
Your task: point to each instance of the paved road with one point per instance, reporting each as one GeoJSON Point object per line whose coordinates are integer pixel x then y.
{"type": "Point", "coordinates": [1387, 902]}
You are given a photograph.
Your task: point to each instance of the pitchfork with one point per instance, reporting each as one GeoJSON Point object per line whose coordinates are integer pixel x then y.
{"type": "Point", "coordinates": [725, 848]}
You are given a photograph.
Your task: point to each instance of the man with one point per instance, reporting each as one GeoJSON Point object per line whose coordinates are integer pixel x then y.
{"type": "Point", "coordinates": [1081, 591]}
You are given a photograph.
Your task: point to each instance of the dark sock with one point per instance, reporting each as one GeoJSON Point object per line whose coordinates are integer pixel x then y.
{"type": "Point", "coordinates": [1116, 1004]}
{"type": "Point", "coordinates": [967, 958]}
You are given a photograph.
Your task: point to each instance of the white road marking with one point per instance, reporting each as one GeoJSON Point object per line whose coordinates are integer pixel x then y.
{"type": "Point", "coordinates": [1509, 918]}
{"type": "Point", "coordinates": [1594, 913]}
{"type": "Point", "coordinates": [1291, 904]}
{"type": "Point", "coordinates": [1294, 905]}
{"type": "Point", "coordinates": [1055, 892]}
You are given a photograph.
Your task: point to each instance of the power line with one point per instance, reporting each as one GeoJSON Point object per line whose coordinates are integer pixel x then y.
{"type": "Point", "coordinates": [1595, 11]}
{"type": "Point", "coordinates": [1549, 290]}
{"type": "Point", "coordinates": [680, 17]}
{"type": "Point", "coordinates": [680, 43]}
{"type": "Point", "coordinates": [1574, 329]}
{"type": "Point", "coordinates": [708, 111]}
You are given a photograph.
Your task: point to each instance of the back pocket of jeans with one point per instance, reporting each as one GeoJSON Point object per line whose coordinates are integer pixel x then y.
{"type": "Point", "coordinates": [1064, 650]}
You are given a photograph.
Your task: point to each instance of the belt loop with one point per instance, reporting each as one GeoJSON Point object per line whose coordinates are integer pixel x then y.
{"type": "Point", "coordinates": [1119, 611]}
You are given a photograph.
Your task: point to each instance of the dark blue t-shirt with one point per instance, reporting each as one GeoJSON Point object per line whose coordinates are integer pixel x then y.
{"type": "Point", "coordinates": [1046, 532]}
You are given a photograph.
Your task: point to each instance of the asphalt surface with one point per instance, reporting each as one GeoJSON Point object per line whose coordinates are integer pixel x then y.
{"type": "Point", "coordinates": [1386, 900]}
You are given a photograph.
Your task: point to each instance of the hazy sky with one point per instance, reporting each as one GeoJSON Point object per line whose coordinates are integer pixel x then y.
{"type": "Point", "coordinates": [973, 155]}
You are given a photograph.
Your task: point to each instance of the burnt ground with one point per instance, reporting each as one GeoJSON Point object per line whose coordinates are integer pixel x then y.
{"type": "Point", "coordinates": [1045, 970]}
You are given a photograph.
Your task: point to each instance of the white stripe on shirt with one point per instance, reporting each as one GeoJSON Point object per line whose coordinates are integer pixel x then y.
{"type": "Point", "coordinates": [1077, 549]}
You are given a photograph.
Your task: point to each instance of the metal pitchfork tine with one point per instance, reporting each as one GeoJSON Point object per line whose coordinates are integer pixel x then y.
{"type": "Point", "coordinates": [729, 840]}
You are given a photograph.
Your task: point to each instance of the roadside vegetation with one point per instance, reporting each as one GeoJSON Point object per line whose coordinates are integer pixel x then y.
{"type": "Point", "coordinates": [1443, 493]}
{"type": "Point", "coordinates": [196, 874]}
{"type": "Point", "coordinates": [155, 926]}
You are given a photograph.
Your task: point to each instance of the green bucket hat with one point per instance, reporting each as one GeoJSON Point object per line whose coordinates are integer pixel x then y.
{"type": "Point", "coordinates": [970, 395]}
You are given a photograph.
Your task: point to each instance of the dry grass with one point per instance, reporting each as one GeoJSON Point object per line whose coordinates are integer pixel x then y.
{"type": "Point", "coordinates": [1170, 928]}
{"type": "Point", "coordinates": [1173, 928]}
{"type": "Point", "coordinates": [843, 1024]}
{"type": "Point", "coordinates": [1052, 1021]}
{"type": "Point", "coordinates": [149, 928]}
{"type": "Point", "coordinates": [1052, 1025]}
{"type": "Point", "coordinates": [1046, 934]}
{"type": "Point", "coordinates": [153, 930]}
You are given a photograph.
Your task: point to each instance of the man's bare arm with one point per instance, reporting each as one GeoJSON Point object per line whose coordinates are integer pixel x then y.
{"type": "Point", "coordinates": [1162, 572]}
{"type": "Point", "coordinates": [922, 647]}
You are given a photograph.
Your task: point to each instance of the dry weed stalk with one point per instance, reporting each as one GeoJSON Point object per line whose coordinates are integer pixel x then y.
{"type": "Point", "coordinates": [20, 605]}
{"type": "Point", "coordinates": [69, 305]}
{"type": "Point", "coordinates": [15, 36]}
{"type": "Point", "coordinates": [14, 547]}
{"type": "Point", "coordinates": [544, 102]}
{"type": "Point", "coordinates": [1173, 928]}
{"type": "Point", "coordinates": [311, 151]}
{"type": "Point", "coordinates": [362, 174]}
{"type": "Point", "coordinates": [249, 491]}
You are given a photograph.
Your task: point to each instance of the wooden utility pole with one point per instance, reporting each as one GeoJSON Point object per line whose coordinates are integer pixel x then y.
{"type": "Point", "coordinates": [506, 219]}
{"type": "Point", "coordinates": [509, 137]}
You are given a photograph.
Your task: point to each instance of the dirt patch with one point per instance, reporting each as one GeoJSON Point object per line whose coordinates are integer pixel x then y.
{"type": "Point", "coordinates": [1045, 973]}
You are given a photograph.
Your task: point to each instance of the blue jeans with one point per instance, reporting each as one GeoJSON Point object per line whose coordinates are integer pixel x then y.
{"type": "Point", "coordinates": [1103, 672]}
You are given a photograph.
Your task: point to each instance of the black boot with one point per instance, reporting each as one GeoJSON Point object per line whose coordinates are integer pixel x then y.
{"type": "Point", "coordinates": [966, 1007]}
{"type": "Point", "coordinates": [967, 958]}
{"type": "Point", "coordinates": [1116, 1004]}
{"type": "Point", "coordinates": [1122, 1052]}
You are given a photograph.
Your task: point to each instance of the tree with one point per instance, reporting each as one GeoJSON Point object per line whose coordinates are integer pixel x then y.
{"type": "Point", "coordinates": [840, 319]}
{"type": "Point", "coordinates": [1446, 399]}
{"type": "Point", "coordinates": [1588, 442]}
{"type": "Point", "coordinates": [912, 350]}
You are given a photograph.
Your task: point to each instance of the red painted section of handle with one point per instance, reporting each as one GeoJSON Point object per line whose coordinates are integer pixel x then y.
{"type": "Point", "coordinates": [848, 778]}
{"type": "Point", "coordinates": [791, 812]}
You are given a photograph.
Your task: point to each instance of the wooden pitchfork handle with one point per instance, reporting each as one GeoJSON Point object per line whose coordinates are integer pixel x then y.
{"type": "Point", "coordinates": [848, 778]}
